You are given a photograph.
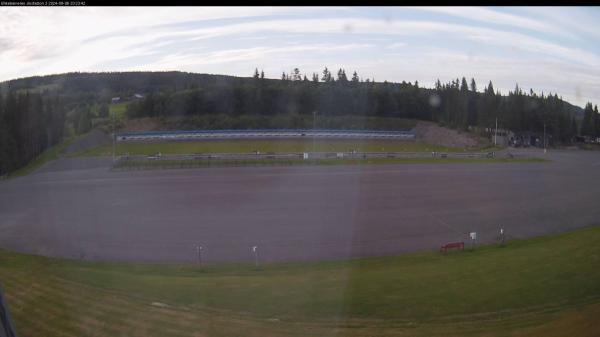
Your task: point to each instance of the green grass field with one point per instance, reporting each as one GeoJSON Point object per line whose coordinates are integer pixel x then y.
{"type": "Point", "coordinates": [118, 109]}
{"type": "Point", "coordinates": [548, 286]}
{"type": "Point", "coordinates": [279, 145]}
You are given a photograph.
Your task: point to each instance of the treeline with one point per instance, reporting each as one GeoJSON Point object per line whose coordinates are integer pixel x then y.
{"type": "Point", "coordinates": [458, 103]}
{"type": "Point", "coordinates": [29, 124]}
{"type": "Point", "coordinates": [590, 124]}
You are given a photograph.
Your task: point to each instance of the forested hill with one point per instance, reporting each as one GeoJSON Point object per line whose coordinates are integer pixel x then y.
{"type": "Point", "coordinates": [34, 111]}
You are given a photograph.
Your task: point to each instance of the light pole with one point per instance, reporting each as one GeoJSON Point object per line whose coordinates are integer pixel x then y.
{"type": "Point", "coordinates": [544, 137]}
{"type": "Point", "coordinates": [314, 126]}
{"type": "Point", "coordinates": [496, 133]}
{"type": "Point", "coordinates": [114, 138]}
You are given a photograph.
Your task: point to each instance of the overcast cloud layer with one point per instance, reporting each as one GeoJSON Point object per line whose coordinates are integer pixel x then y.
{"type": "Point", "coordinates": [546, 49]}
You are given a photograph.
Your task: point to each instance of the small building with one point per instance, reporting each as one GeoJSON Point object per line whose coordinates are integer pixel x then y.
{"type": "Point", "coordinates": [115, 99]}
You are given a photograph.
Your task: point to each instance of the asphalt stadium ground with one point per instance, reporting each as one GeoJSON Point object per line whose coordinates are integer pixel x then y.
{"type": "Point", "coordinates": [78, 208]}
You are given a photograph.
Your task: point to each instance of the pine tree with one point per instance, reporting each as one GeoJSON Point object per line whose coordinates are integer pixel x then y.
{"type": "Point", "coordinates": [262, 75]}
{"type": "Point", "coordinates": [473, 85]}
{"type": "Point", "coordinates": [341, 76]}
{"type": "Point", "coordinates": [490, 89]}
{"type": "Point", "coordinates": [518, 91]}
{"type": "Point", "coordinates": [315, 77]}
{"type": "Point", "coordinates": [587, 126]}
{"type": "Point", "coordinates": [296, 76]}
{"type": "Point", "coordinates": [355, 77]}
{"type": "Point", "coordinates": [256, 73]}
{"type": "Point", "coordinates": [326, 75]}
{"type": "Point", "coordinates": [464, 87]}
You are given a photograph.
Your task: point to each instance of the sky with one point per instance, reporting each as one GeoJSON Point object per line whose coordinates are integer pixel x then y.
{"type": "Point", "coordinates": [547, 49]}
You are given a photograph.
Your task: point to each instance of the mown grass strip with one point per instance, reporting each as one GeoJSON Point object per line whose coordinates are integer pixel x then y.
{"type": "Point", "coordinates": [548, 286]}
{"type": "Point", "coordinates": [537, 274]}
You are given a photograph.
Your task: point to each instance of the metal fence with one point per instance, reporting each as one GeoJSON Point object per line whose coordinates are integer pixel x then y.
{"type": "Point", "coordinates": [258, 159]}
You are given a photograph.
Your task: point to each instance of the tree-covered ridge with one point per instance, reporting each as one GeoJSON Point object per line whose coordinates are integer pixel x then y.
{"type": "Point", "coordinates": [37, 112]}
{"type": "Point", "coordinates": [457, 104]}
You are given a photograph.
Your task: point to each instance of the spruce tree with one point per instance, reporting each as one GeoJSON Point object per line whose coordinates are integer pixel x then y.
{"type": "Point", "coordinates": [326, 75]}
{"type": "Point", "coordinates": [587, 126]}
{"type": "Point", "coordinates": [464, 87]}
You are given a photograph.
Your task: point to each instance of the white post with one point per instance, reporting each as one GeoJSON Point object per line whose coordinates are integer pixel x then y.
{"type": "Point", "coordinates": [255, 255]}
{"type": "Point", "coordinates": [473, 236]}
{"type": "Point", "coordinates": [199, 249]}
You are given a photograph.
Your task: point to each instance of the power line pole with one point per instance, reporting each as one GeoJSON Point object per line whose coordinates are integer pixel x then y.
{"type": "Point", "coordinates": [496, 133]}
{"type": "Point", "coordinates": [114, 138]}
{"type": "Point", "coordinates": [314, 126]}
{"type": "Point", "coordinates": [544, 137]}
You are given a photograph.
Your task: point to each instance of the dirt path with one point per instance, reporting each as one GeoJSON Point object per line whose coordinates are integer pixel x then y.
{"type": "Point", "coordinates": [95, 138]}
{"type": "Point", "coordinates": [431, 133]}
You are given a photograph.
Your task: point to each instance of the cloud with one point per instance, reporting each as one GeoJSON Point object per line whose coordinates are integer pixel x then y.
{"type": "Point", "coordinates": [488, 16]}
{"type": "Point", "coordinates": [396, 45]}
{"type": "Point", "coordinates": [488, 43]}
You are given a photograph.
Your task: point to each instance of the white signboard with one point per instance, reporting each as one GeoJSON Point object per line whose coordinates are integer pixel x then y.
{"type": "Point", "coordinates": [305, 155]}
{"type": "Point", "coordinates": [473, 235]}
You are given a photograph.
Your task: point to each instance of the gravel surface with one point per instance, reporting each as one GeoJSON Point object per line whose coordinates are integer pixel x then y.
{"type": "Point", "coordinates": [83, 210]}
{"type": "Point", "coordinates": [431, 133]}
{"type": "Point", "coordinates": [95, 138]}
